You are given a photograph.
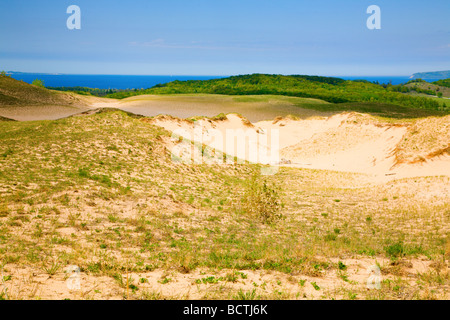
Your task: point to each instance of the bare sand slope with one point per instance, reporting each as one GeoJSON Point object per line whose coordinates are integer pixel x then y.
{"type": "Point", "coordinates": [32, 113]}
{"type": "Point", "coordinates": [254, 108]}
{"type": "Point", "coordinates": [74, 104]}
{"type": "Point", "coordinates": [345, 142]}
{"type": "Point", "coordinates": [347, 146]}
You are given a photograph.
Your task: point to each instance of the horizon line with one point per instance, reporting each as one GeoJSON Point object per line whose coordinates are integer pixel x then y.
{"type": "Point", "coordinates": [206, 75]}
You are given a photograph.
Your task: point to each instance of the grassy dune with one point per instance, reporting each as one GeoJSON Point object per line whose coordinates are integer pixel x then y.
{"type": "Point", "coordinates": [445, 101]}
{"type": "Point", "coordinates": [333, 90]}
{"type": "Point", "coordinates": [22, 101]}
{"type": "Point", "coordinates": [433, 87]}
{"type": "Point", "coordinates": [18, 93]}
{"type": "Point", "coordinates": [101, 192]}
{"type": "Point", "coordinates": [261, 107]}
{"type": "Point", "coordinates": [255, 108]}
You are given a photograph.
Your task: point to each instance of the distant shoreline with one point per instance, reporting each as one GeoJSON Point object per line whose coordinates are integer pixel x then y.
{"type": "Point", "coordinates": [432, 75]}
{"type": "Point", "coordinates": [123, 82]}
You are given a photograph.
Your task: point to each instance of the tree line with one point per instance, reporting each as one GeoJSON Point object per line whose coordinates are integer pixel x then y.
{"type": "Point", "coordinates": [334, 90]}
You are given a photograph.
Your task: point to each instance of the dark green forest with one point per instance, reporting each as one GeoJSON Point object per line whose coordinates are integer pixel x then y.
{"type": "Point", "coordinates": [443, 83]}
{"type": "Point", "coordinates": [87, 91]}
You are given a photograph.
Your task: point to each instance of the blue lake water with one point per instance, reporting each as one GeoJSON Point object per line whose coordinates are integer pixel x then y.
{"type": "Point", "coordinates": [138, 82]}
{"type": "Point", "coordinates": [104, 81]}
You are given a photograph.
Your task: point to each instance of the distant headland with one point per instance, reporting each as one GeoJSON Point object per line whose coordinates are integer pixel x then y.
{"type": "Point", "coordinates": [432, 75]}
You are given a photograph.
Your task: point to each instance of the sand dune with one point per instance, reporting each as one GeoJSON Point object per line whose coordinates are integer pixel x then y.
{"type": "Point", "coordinates": [341, 142]}
{"type": "Point", "coordinates": [33, 113]}
{"type": "Point", "coordinates": [182, 106]}
{"type": "Point", "coordinates": [254, 108]}
{"type": "Point", "coordinates": [349, 142]}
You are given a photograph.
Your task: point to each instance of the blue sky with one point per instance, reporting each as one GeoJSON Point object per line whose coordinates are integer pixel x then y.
{"type": "Point", "coordinates": [210, 37]}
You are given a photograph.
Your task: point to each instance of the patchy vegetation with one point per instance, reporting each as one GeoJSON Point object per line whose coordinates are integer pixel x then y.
{"type": "Point", "coordinates": [333, 90]}
{"type": "Point", "coordinates": [18, 94]}
{"type": "Point", "coordinates": [443, 83]}
{"type": "Point", "coordinates": [100, 191]}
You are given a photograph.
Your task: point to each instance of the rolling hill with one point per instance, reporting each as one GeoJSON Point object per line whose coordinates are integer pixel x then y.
{"type": "Point", "coordinates": [430, 88]}
{"type": "Point", "coordinates": [102, 192]}
{"type": "Point", "coordinates": [19, 93]}
{"type": "Point", "coordinates": [105, 191]}
{"type": "Point", "coordinates": [443, 83]}
{"type": "Point", "coordinates": [333, 90]}
{"type": "Point", "coordinates": [22, 101]}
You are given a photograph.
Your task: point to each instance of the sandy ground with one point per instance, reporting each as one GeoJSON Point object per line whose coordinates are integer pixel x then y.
{"type": "Point", "coordinates": [329, 141]}
{"type": "Point", "coordinates": [54, 112]}
{"type": "Point", "coordinates": [160, 284]}
{"type": "Point", "coordinates": [186, 106]}
{"type": "Point", "coordinates": [342, 142]}
{"type": "Point", "coordinates": [33, 113]}
{"type": "Point", "coordinates": [339, 143]}
{"type": "Point", "coordinates": [181, 106]}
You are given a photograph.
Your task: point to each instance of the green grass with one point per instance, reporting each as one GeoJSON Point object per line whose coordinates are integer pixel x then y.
{"type": "Point", "coordinates": [441, 101]}
{"type": "Point", "coordinates": [443, 83]}
{"type": "Point", "coordinates": [265, 107]}
{"type": "Point", "coordinates": [385, 111]}
{"type": "Point", "coordinates": [101, 192]}
{"type": "Point", "coordinates": [19, 93]}
{"type": "Point", "coordinates": [333, 90]}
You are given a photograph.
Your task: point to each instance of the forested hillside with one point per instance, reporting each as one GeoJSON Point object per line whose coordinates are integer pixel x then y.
{"type": "Point", "coordinates": [334, 90]}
